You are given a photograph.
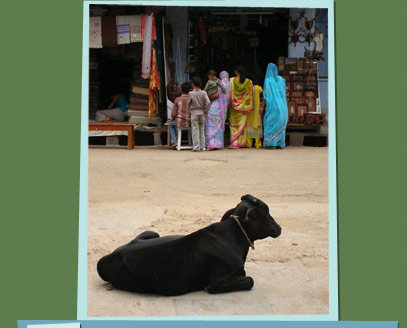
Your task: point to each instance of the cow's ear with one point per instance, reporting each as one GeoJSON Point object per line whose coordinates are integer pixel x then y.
{"type": "Point", "coordinates": [249, 214]}
{"type": "Point", "coordinates": [228, 214]}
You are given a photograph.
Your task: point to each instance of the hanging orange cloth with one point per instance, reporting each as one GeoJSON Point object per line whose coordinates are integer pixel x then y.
{"type": "Point", "coordinates": [154, 84]}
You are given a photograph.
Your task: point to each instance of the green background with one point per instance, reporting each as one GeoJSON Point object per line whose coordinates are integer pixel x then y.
{"type": "Point", "coordinates": [41, 50]}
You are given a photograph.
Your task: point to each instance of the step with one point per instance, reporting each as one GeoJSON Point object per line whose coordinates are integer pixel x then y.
{"type": "Point", "coordinates": [139, 113]}
{"type": "Point", "coordinates": [144, 120]}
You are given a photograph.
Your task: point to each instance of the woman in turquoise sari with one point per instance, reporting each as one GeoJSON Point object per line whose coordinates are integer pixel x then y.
{"type": "Point", "coordinates": [215, 120]}
{"type": "Point", "coordinates": [276, 114]}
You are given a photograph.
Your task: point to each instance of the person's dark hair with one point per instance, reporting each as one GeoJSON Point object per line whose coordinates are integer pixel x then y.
{"type": "Point", "coordinates": [185, 87]}
{"type": "Point", "coordinates": [212, 72]}
{"type": "Point", "coordinates": [243, 73]}
{"type": "Point", "coordinates": [196, 81]}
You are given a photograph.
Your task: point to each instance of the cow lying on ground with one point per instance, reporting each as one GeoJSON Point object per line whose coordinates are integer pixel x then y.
{"type": "Point", "coordinates": [211, 258]}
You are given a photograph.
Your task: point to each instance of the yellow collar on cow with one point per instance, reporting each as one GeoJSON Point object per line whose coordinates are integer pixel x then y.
{"type": "Point", "coordinates": [241, 228]}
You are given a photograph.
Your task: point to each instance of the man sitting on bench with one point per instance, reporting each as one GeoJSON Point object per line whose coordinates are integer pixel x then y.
{"type": "Point", "coordinates": [116, 112]}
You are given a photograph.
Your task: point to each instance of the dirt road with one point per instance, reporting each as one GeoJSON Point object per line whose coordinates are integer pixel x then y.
{"type": "Point", "coordinates": [179, 192]}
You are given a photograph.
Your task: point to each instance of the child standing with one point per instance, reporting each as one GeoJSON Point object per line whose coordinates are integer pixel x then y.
{"type": "Point", "coordinates": [213, 83]}
{"type": "Point", "coordinates": [198, 105]}
{"type": "Point", "coordinates": [254, 126]}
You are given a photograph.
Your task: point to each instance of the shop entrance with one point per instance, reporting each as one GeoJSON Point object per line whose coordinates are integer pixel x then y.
{"type": "Point", "coordinates": [224, 38]}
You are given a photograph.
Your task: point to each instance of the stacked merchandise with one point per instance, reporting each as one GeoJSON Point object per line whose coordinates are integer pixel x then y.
{"type": "Point", "coordinates": [138, 104]}
{"type": "Point", "coordinates": [139, 92]}
{"type": "Point", "coordinates": [94, 83]}
{"type": "Point", "coordinates": [301, 77]}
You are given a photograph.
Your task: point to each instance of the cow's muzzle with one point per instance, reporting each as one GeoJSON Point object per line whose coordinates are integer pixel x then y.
{"type": "Point", "coordinates": [276, 231]}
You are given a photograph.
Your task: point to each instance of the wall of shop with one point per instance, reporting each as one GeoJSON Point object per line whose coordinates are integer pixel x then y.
{"type": "Point", "coordinates": [322, 23]}
{"type": "Point", "coordinates": [178, 18]}
{"type": "Point", "coordinates": [297, 51]}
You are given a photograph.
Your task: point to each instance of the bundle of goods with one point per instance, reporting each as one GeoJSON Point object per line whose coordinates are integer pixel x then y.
{"type": "Point", "coordinates": [138, 107]}
{"type": "Point", "coordinates": [301, 89]}
{"type": "Point", "coordinates": [139, 91]}
{"type": "Point", "coordinates": [138, 99]}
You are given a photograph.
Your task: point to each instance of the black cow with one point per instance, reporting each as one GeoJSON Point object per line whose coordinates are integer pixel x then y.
{"type": "Point", "coordinates": [211, 258]}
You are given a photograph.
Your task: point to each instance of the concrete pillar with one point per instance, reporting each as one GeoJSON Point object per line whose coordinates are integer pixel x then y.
{"type": "Point", "coordinates": [157, 139]}
{"type": "Point", "coordinates": [296, 139]}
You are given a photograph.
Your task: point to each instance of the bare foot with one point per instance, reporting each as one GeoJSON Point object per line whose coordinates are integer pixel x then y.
{"type": "Point", "coordinates": [107, 120]}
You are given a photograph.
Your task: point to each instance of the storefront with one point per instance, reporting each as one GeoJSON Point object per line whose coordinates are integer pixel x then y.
{"type": "Point", "coordinates": [223, 38]}
{"type": "Point", "coordinates": [120, 60]}
{"type": "Point", "coordinates": [189, 41]}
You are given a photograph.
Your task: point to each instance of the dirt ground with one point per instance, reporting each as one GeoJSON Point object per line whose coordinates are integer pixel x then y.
{"type": "Point", "coordinates": [179, 192]}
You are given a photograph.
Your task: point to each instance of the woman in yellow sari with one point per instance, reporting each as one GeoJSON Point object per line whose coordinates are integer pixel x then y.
{"type": "Point", "coordinates": [241, 103]}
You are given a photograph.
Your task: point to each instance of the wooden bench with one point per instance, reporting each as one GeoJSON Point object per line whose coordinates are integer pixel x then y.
{"type": "Point", "coordinates": [129, 127]}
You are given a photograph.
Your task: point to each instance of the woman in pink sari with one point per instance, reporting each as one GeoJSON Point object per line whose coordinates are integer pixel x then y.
{"type": "Point", "coordinates": [215, 120]}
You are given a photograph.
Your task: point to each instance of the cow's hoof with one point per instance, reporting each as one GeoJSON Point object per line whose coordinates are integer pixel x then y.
{"type": "Point", "coordinates": [250, 282]}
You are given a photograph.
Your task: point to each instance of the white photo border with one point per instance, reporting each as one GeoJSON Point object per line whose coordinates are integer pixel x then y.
{"type": "Point", "coordinates": [83, 203]}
